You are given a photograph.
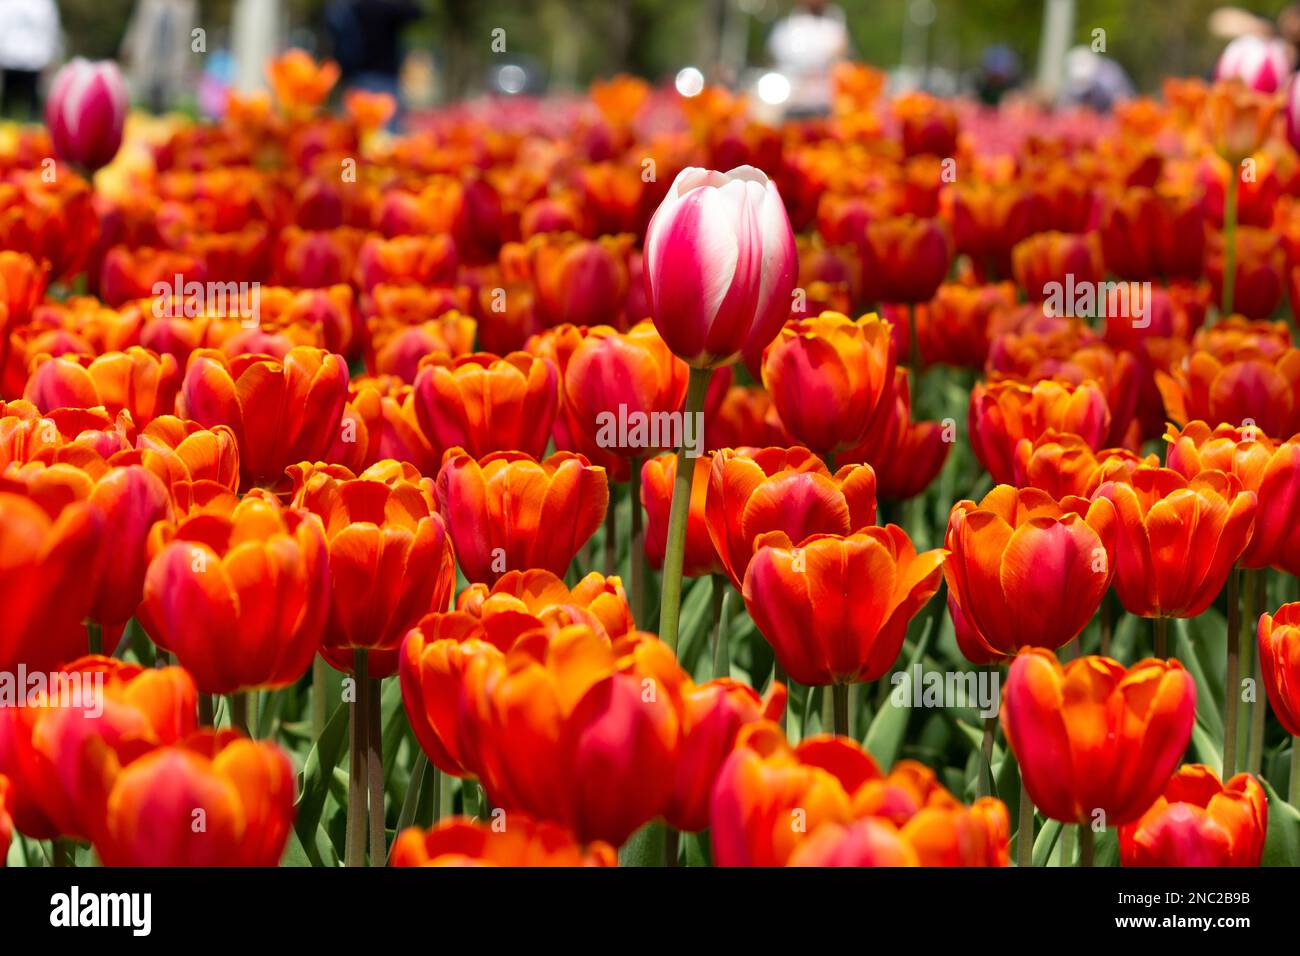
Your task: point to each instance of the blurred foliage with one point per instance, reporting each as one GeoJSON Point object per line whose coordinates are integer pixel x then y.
{"type": "Point", "coordinates": [575, 40]}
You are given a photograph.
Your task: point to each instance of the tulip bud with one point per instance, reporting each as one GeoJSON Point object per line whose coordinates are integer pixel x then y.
{"type": "Point", "coordinates": [720, 263]}
{"type": "Point", "coordinates": [85, 112]}
{"type": "Point", "coordinates": [1263, 64]}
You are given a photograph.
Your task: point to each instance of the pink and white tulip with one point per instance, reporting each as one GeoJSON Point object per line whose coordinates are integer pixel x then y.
{"type": "Point", "coordinates": [1261, 63]}
{"type": "Point", "coordinates": [720, 264]}
{"type": "Point", "coordinates": [85, 112]}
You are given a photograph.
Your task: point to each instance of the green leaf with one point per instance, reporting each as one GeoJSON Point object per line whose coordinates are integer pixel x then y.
{"type": "Point", "coordinates": [314, 781]}
{"type": "Point", "coordinates": [645, 847]}
{"type": "Point", "coordinates": [1282, 843]}
{"type": "Point", "coordinates": [1046, 841]}
{"type": "Point", "coordinates": [1201, 645]}
{"type": "Point", "coordinates": [885, 735]}
{"type": "Point", "coordinates": [1206, 745]}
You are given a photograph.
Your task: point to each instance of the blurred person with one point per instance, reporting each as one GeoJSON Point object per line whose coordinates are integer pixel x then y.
{"type": "Point", "coordinates": [999, 72]}
{"type": "Point", "coordinates": [805, 45]}
{"type": "Point", "coordinates": [157, 51]}
{"type": "Point", "coordinates": [366, 36]}
{"type": "Point", "coordinates": [29, 42]}
{"type": "Point", "coordinates": [1094, 81]}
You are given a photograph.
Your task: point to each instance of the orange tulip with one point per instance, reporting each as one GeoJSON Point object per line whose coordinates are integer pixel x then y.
{"type": "Point", "coordinates": [744, 418]}
{"type": "Point", "coordinates": [929, 125]}
{"type": "Point", "coordinates": [523, 842]}
{"type": "Point", "coordinates": [424, 260]}
{"type": "Point", "coordinates": [904, 258]}
{"type": "Point", "coordinates": [828, 375]}
{"type": "Point", "coordinates": [714, 714]}
{"type": "Point", "coordinates": [399, 345]}
{"type": "Point", "coordinates": [657, 476]}
{"type": "Point", "coordinates": [187, 456]}
{"type": "Point", "coordinates": [1003, 412]}
{"type": "Point", "coordinates": [573, 728]}
{"type": "Point", "coordinates": [484, 404]}
{"type": "Point", "coordinates": [50, 547]}
{"type": "Point", "coordinates": [611, 378]}
{"type": "Point", "coordinates": [390, 557]}
{"type": "Point", "coordinates": [299, 82]}
{"type": "Point", "coordinates": [752, 491]}
{"type": "Point", "coordinates": [580, 280]}
{"type": "Point", "coordinates": [58, 749]}
{"type": "Point", "coordinates": [1240, 383]}
{"type": "Point", "coordinates": [1176, 538]}
{"type": "Point", "coordinates": [905, 455]}
{"type": "Point", "coordinates": [1153, 232]}
{"type": "Point", "coordinates": [379, 422]}
{"type": "Point", "coordinates": [1093, 736]}
{"type": "Point", "coordinates": [1236, 119]}
{"type": "Point", "coordinates": [1027, 570]}
{"type": "Point", "coordinates": [825, 802]}
{"type": "Point", "coordinates": [432, 664]}
{"type": "Point", "coordinates": [1279, 657]}
{"type": "Point", "coordinates": [137, 380]}
{"type": "Point", "coordinates": [281, 412]}
{"type": "Point", "coordinates": [836, 608]}
{"type": "Point", "coordinates": [240, 599]}
{"type": "Point", "coordinates": [1064, 464]}
{"type": "Point", "coordinates": [521, 600]}
{"type": "Point", "coordinates": [1260, 271]}
{"type": "Point", "coordinates": [131, 499]}
{"type": "Point", "coordinates": [507, 511]}
{"type": "Point", "coordinates": [244, 789]}
{"type": "Point", "coordinates": [1199, 821]}
{"type": "Point", "coordinates": [989, 220]}
{"type": "Point", "coordinates": [954, 328]}
{"type": "Point", "coordinates": [1268, 468]}
{"type": "Point", "coordinates": [1050, 261]}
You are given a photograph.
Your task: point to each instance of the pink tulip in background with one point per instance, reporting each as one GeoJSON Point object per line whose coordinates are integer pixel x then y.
{"type": "Point", "coordinates": [1261, 63]}
{"type": "Point", "coordinates": [85, 112]}
{"type": "Point", "coordinates": [720, 264]}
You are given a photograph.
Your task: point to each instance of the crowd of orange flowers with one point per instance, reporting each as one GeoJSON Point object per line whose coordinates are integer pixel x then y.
{"type": "Point", "coordinates": [393, 472]}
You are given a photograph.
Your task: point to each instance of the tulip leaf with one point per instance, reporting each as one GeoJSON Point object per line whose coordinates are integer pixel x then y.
{"type": "Point", "coordinates": [314, 781]}
{"type": "Point", "coordinates": [1200, 644]}
{"type": "Point", "coordinates": [885, 735]}
{"type": "Point", "coordinates": [1106, 848]}
{"type": "Point", "coordinates": [1206, 745]}
{"type": "Point", "coordinates": [1046, 841]}
{"type": "Point", "coordinates": [646, 847]}
{"type": "Point", "coordinates": [1282, 843]}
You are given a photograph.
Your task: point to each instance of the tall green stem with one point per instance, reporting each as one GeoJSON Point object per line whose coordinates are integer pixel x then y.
{"type": "Point", "coordinates": [640, 565]}
{"type": "Point", "coordinates": [1025, 832]}
{"type": "Point", "coordinates": [359, 711]}
{"type": "Point", "coordinates": [320, 676]}
{"type": "Point", "coordinates": [1160, 636]}
{"type": "Point", "coordinates": [1230, 241]}
{"type": "Point", "coordinates": [375, 771]}
{"type": "Point", "coordinates": [239, 712]}
{"type": "Point", "coordinates": [611, 534]}
{"type": "Point", "coordinates": [94, 638]}
{"type": "Point", "coordinates": [670, 605]}
{"type": "Point", "coordinates": [1231, 677]}
{"type": "Point", "coordinates": [840, 705]}
{"type": "Point", "coordinates": [1293, 790]}
{"type": "Point", "coordinates": [1086, 844]}
{"type": "Point", "coordinates": [1259, 706]}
